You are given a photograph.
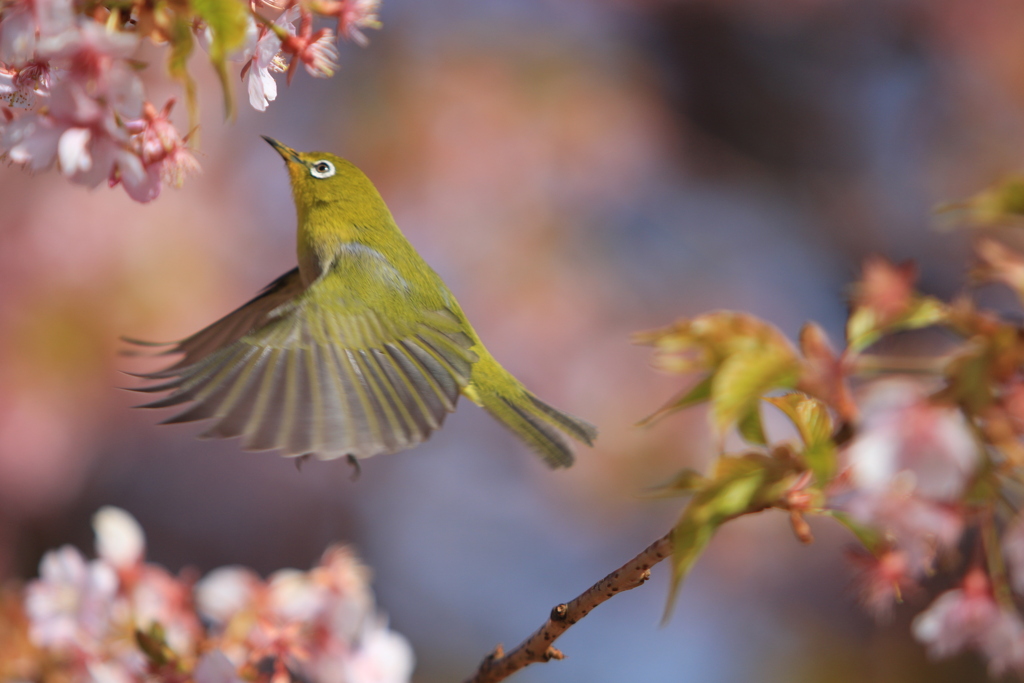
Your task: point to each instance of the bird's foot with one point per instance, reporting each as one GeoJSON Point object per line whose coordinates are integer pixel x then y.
{"type": "Point", "coordinates": [357, 469]}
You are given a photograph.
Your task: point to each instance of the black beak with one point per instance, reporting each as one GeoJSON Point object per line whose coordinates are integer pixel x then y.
{"type": "Point", "coordinates": [287, 153]}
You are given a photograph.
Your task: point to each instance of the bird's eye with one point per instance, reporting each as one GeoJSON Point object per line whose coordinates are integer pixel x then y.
{"type": "Point", "coordinates": [322, 169]}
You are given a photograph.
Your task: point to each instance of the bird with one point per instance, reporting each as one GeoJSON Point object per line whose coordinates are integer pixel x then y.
{"type": "Point", "coordinates": [360, 350]}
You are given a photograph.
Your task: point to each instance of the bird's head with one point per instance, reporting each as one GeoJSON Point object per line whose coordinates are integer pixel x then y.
{"type": "Point", "coordinates": [320, 177]}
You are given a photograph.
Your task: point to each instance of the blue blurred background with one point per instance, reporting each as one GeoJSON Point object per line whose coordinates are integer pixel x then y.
{"type": "Point", "coordinates": [576, 170]}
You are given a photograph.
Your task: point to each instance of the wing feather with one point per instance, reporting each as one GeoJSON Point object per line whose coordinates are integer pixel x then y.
{"type": "Point", "coordinates": [242, 404]}
{"type": "Point", "coordinates": [287, 371]}
{"type": "Point", "coordinates": [425, 387]}
{"type": "Point", "coordinates": [260, 431]}
{"type": "Point", "coordinates": [400, 405]}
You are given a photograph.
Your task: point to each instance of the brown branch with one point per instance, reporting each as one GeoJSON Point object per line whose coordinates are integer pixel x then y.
{"type": "Point", "coordinates": [498, 666]}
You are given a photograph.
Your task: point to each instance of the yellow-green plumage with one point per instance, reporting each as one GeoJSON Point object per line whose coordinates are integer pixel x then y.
{"type": "Point", "coordinates": [360, 350]}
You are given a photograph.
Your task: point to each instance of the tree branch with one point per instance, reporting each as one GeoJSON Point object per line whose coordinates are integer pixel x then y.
{"type": "Point", "coordinates": [498, 666]}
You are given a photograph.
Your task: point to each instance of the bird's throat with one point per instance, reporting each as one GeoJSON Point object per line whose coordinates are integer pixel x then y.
{"type": "Point", "coordinates": [318, 246]}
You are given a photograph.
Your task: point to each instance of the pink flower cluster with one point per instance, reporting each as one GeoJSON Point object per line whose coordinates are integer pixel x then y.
{"type": "Point", "coordinates": [908, 472]}
{"type": "Point", "coordinates": [70, 96]}
{"type": "Point", "coordinates": [118, 619]}
{"type": "Point", "coordinates": [269, 49]}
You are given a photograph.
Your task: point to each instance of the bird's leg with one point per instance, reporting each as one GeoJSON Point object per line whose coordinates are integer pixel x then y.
{"type": "Point", "coordinates": [301, 459]}
{"type": "Point", "coordinates": [357, 469]}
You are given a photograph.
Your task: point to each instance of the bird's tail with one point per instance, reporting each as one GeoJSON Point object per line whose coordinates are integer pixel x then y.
{"type": "Point", "coordinates": [541, 426]}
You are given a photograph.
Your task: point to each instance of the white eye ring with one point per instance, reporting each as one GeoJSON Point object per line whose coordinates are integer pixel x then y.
{"type": "Point", "coordinates": [321, 169]}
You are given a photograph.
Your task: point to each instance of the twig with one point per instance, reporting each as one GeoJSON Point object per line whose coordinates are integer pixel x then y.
{"type": "Point", "coordinates": [498, 666]}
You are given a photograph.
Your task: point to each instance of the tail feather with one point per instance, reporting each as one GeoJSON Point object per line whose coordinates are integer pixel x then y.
{"type": "Point", "coordinates": [547, 441]}
{"type": "Point", "coordinates": [542, 427]}
{"type": "Point", "coordinates": [581, 430]}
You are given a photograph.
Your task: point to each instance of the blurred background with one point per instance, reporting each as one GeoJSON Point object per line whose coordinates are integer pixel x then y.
{"type": "Point", "coordinates": [576, 170]}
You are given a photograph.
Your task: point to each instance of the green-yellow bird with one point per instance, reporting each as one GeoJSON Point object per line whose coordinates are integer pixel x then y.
{"type": "Point", "coordinates": [360, 350]}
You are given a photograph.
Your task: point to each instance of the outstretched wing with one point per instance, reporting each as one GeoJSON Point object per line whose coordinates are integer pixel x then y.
{"type": "Point", "coordinates": [286, 372]}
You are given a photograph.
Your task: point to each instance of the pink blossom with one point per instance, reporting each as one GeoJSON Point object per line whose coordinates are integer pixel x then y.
{"type": "Point", "coordinates": [69, 606]}
{"type": "Point", "coordinates": [89, 46]}
{"type": "Point", "coordinates": [17, 34]}
{"type": "Point", "coordinates": [315, 50]}
{"type": "Point", "coordinates": [32, 140]}
{"type": "Point", "coordinates": [320, 56]}
{"type": "Point", "coordinates": [884, 580]}
{"type": "Point", "coordinates": [24, 88]}
{"type": "Point", "coordinates": [904, 435]}
{"type": "Point", "coordinates": [292, 596]}
{"type": "Point", "coordinates": [344, 581]}
{"type": "Point", "coordinates": [157, 143]}
{"type": "Point", "coordinates": [353, 16]}
{"type": "Point", "coordinates": [109, 672]}
{"type": "Point", "coordinates": [267, 58]}
{"type": "Point", "coordinates": [81, 127]}
{"type": "Point", "coordinates": [919, 527]}
{"type": "Point", "coordinates": [227, 591]}
{"type": "Point", "coordinates": [157, 597]}
{"type": "Point", "coordinates": [380, 655]}
{"type": "Point", "coordinates": [969, 618]}
{"type": "Point", "coordinates": [23, 20]}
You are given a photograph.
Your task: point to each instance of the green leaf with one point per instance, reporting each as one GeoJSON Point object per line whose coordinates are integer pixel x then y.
{"type": "Point", "coordinates": [865, 327]}
{"type": "Point", "coordinates": [809, 415]}
{"type": "Point", "coordinates": [689, 539]}
{"type": "Point", "coordinates": [744, 378]}
{"type": "Point", "coordinates": [227, 20]}
{"type": "Point", "coordinates": [750, 427]}
{"type": "Point", "coordinates": [735, 489]}
{"type": "Point", "coordinates": [699, 393]}
{"type": "Point", "coordinates": [180, 33]}
{"type": "Point", "coordinates": [821, 459]}
{"type": "Point", "coordinates": [813, 421]}
{"type": "Point", "coordinates": [684, 483]}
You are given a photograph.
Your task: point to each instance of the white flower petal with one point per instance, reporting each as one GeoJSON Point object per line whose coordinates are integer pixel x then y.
{"type": "Point", "coordinates": [383, 656]}
{"type": "Point", "coordinates": [225, 592]}
{"type": "Point", "coordinates": [119, 538]}
{"type": "Point", "coordinates": [32, 140]}
{"type": "Point", "coordinates": [73, 151]}
{"type": "Point", "coordinates": [17, 36]}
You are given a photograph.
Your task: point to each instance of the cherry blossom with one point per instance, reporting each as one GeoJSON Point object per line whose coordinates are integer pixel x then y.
{"type": "Point", "coordinates": [320, 56]}
{"type": "Point", "coordinates": [919, 527]}
{"type": "Point", "coordinates": [159, 146]}
{"type": "Point", "coordinates": [884, 580]}
{"type": "Point", "coordinates": [267, 58]}
{"type": "Point", "coordinates": [71, 96]}
{"type": "Point", "coordinates": [320, 625]}
{"type": "Point", "coordinates": [353, 16]}
{"type": "Point", "coordinates": [70, 605]}
{"type": "Point", "coordinates": [969, 617]}
{"type": "Point", "coordinates": [315, 50]}
{"type": "Point", "coordinates": [904, 435]}
{"type": "Point", "coordinates": [25, 23]}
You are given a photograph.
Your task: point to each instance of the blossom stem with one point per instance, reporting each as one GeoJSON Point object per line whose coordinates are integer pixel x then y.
{"type": "Point", "coordinates": [870, 364]}
{"type": "Point", "coordinates": [994, 558]}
